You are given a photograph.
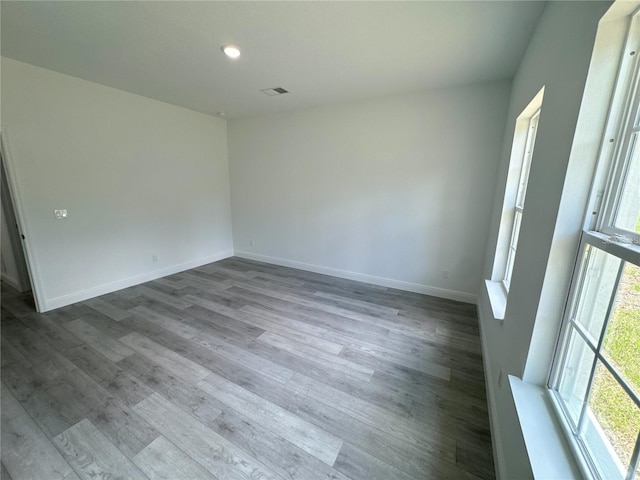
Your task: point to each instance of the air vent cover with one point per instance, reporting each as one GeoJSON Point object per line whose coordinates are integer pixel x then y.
{"type": "Point", "coordinates": [274, 91]}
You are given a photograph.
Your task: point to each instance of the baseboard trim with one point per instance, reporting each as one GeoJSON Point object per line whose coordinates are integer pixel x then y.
{"type": "Point", "coordinates": [496, 439]}
{"type": "Point", "coordinates": [12, 282]}
{"type": "Point", "coordinates": [362, 277]}
{"type": "Point", "coordinates": [62, 301]}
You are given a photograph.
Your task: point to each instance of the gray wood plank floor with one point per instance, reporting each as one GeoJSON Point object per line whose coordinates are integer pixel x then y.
{"type": "Point", "coordinates": [243, 370]}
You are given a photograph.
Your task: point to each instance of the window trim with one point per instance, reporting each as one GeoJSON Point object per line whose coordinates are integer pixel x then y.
{"type": "Point", "coordinates": [627, 254]}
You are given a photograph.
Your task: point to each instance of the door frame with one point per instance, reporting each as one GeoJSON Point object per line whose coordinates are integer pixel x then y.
{"type": "Point", "coordinates": [18, 211]}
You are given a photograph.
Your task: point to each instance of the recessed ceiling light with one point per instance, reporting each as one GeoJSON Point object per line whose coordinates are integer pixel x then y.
{"type": "Point", "coordinates": [231, 51]}
{"type": "Point", "coordinates": [222, 114]}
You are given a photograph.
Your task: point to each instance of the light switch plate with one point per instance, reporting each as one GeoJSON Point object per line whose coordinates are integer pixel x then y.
{"type": "Point", "coordinates": [60, 214]}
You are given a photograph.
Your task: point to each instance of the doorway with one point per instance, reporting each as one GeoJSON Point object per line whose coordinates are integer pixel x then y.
{"type": "Point", "coordinates": [14, 268]}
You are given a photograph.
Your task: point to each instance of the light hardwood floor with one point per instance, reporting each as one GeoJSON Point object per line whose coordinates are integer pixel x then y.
{"type": "Point", "coordinates": [243, 370]}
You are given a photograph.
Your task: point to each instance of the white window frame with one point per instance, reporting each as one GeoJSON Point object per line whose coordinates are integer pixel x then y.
{"type": "Point", "coordinates": [574, 329]}
{"type": "Point", "coordinates": [518, 209]}
{"type": "Point", "coordinates": [614, 162]}
{"type": "Point", "coordinates": [623, 122]}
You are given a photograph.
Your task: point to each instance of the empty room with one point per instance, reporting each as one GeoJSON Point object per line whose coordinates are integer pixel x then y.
{"type": "Point", "coordinates": [346, 240]}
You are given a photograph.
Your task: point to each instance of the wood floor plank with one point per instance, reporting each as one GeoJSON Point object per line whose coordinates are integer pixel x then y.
{"type": "Point", "coordinates": [10, 407]}
{"type": "Point", "coordinates": [213, 306]}
{"type": "Point", "coordinates": [26, 451]}
{"type": "Point", "coordinates": [300, 364]}
{"type": "Point", "coordinates": [314, 317]}
{"type": "Point", "coordinates": [179, 365]}
{"type": "Point", "coordinates": [182, 394]}
{"type": "Point", "coordinates": [30, 345]}
{"type": "Point", "coordinates": [309, 438]}
{"type": "Point", "coordinates": [106, 325]}
{"type": "Point", "coordinates": [425, 461]}
{"type": "Point", "coordinates": [104, 344]}
{"type": "Point", "coordinates": [213, 452]}
{"type": "Point", "coordinates": [230, 330]}
{"type": "Point", "coordinates": [206, 284]}
{"type": "Point", "coordinates": [92, 455]}
{"type": "Point", "coordinates": [108, 375]}
{"type": "Point", "coordinates": [327, 360]}
{"type": "Point", "coordinates": [372, 307]}
{"type": "Point", "coordinates": [106, 308]}
{"type": "Point", "coordinates": [33, 390]}
{"type": "Point", "coordinates": [166, 282]}
{"type": "Point", "coordinates": [124, 428]}
{"type": "Point", "coordinates": [18, 307]}
{"type": "Point", "coordinates": [148, 291]}
{"type": "Point", "coordinates": [162, 460]}
{"type": "Point", "coordinates": [291, 282]}
{"type": "Point", "coordinates": [280, 328]}
{"type": "Point", "coordinates": [378, 357]}
{"type": "Point", "coordinates": [305, 302]}
{"type": "Point", "coordinates": [275, 452]}
{"type": "Point", "coordinates": [11, 355]}
{"type": "Point", "coordinates": [52, 332]}
{"type": "Point", "coordinates": [28, 454]}
{"type": "Point", "coordinates": [399, 427]}
{"type": "Point", "coordinates": [168, 323]}
{"type": "Point", "coordinates": [75, 395]}
{"type": "Point", "coordinates": [245, 358]}
{"type": "Point", "coordinates": [286, 321]}
{"type": "Point", "coordinates": [359, 465]}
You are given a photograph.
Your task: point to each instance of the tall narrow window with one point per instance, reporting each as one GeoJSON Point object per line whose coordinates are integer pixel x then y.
{"type": "Point", "coordinates": [520, 160]}
{"type": "Point", "coordinates": [595, 380]}
{"type": "Point", "coordinates": [532, 130]}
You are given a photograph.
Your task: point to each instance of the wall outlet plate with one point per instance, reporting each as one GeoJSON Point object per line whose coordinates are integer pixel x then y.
{"type": "Point", "coordinates": [60, 214]}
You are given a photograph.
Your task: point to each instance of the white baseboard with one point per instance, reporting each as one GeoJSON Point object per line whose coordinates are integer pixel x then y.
{"type": "Point", "coordinates": [362, 277]}
{"type": "Point", "coordinates": [53, 303]}
{"type": "Point", "coordinates": [496, 439]}
{"type": "Point", "coordinates": [12, 282]}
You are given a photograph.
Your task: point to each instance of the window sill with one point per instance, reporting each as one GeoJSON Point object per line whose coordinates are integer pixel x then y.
{"type": "Point", "coordinates": [497, 298]}
{"type": "Point", "coordinates": [549, 453]}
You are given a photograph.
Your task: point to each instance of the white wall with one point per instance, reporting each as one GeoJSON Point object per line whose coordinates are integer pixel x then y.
{"type": "Point", "coordinates": [557, 58]}
{"type": "Point", "coordinates": [139, 178]}
{"type": "Point", "coordinates": [391, 191]}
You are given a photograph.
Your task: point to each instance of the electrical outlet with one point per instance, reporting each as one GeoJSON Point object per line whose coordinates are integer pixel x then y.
{"type": "Point", "coordinates": [445, 274]}
{"type": "Point", "coordinates": [253, 243]}
{"type": "Point", "coordinates": [154, 258]}
{"type": "Point", "coordinates": [60, 214]}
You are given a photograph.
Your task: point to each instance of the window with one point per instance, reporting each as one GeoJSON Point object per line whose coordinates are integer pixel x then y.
{"type": "Point", "coordinates": [525, 166]}
{"type": "Point", "coordinates": [524, 137]}
{"type": "Point", "coordinates": [595, 380]}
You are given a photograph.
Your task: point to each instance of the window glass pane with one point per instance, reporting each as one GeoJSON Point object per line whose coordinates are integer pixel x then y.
{"type": "Point", "coordinates": [628, 212]}
{"type": "Point", "coordinates": [513, 244]}
{"type": "Point", "coordinates": [515, 235]}
{"type": "Point", "coordinates": [597, 289]}
{"type": "Point", "coordinates": [622, 340]}
{"type": "Point", "coordinates": [509, 269]}
{"type": "Point", "coordinates": [611, 425]}
{"type": "Point", "coordinates": [575, 375]}
{"type": "Point", "coordinates": [526, 161]}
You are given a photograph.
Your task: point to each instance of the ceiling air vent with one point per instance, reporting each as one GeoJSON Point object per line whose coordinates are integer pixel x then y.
{"type": "Point", "coordinates": [272, 92]}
